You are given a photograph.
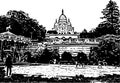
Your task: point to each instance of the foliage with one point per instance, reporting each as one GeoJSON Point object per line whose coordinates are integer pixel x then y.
{"type": "Point", "coordinates": [82, 58]}
{"type": "Point", "coordinates": [108, 51]}
{"type": "Point", "coordinates": [52, 32]}
{"type": "Point", "coordinates": [110, 25]}
{"type": "Point", "coordinates": [105, 28]}
{"type": "Point", "coordinates": [22, 24]}
{"type": "Point", "coordinates": [93, 57]}
{"type": "Point", "coordinates": [2, 73]}
{"type": "Point", "coordinates": [112, 22]}
{"type": "Point", "coordinates": [111, 12]}
{"type": "Point", "coordinates": [55, 54]}
{"type": "Point", "coordinates": [28, 54]}
{"type": "Point", "coordinates": [66, 56]}
{"type": "Point", "coordinates": [4, 22]}
{"type": "Point", "coordinates": [46, 56]}
{"type": "Point", "coordinates": [84, 34]}
{"type": "Point", "coordinates": [43, 56]}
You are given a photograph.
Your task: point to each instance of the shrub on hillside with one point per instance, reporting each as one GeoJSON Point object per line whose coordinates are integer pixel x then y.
{"type": "Point", "coordinates": [45, 56]}
{"type": "Point", "coordinates": [66, 56]}
{"type": "Point", "coordinates": [82, 58]}
{"type": "Point", "coordinates": [2, 73]}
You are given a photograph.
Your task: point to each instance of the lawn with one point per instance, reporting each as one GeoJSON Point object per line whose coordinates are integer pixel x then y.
{"type": "Point", "coordinates": [63, 73]}
{"type": "Point", "coordinates": [51, 70]}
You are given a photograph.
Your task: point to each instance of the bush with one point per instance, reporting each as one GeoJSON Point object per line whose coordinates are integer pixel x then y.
{"type": "Point", "coordinates": [66, 56]}
{"type": "Point", "coordinates": [82, 58]}
{"type": "Point", "coordinates": [45, 56]}
{"type": "Point", "coordinates": [2, 73]}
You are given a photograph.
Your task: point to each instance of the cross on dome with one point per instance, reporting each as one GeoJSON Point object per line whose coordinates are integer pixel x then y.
{"type": "Point", "coordinates": [62, 12]}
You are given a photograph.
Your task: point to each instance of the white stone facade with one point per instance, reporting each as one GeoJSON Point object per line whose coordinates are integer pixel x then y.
{"type": "Point", "coordinates": [63, 25]}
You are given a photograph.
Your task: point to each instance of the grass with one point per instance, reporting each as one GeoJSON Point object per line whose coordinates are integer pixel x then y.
{"type": "Point", "coordinates": [107, 73]}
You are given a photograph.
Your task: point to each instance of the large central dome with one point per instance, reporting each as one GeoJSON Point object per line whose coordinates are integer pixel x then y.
{"type": "Point", "coordinates": [62, 17]}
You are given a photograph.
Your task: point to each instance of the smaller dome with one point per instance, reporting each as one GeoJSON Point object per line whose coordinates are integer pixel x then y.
{"type": "Point", "coordinates": [56, 22]}
{"type": "Point", "coordinates": [69, 23]}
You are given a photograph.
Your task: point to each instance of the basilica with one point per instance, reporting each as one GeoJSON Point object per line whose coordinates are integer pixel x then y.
{"type": "Point", "coordinates": [63, 25]}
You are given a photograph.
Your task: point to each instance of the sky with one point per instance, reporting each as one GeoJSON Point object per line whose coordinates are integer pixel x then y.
{"type": "Point", "coordinates": [83, 14]}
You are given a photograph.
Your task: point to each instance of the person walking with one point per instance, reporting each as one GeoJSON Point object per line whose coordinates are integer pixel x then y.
{"type": "Point", "coordinates": [8, 64]}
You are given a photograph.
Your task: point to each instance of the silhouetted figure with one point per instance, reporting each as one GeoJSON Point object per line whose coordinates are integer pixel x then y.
{"type": "Point", "coordinates": [100, 63]}
{"type": "Point", "coordinates": [8, 64]}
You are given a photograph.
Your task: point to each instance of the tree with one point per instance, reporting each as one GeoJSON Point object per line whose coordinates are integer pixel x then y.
{"type": "Point", "coordinates": [55, 54]}
{"type": "Point", "coordinates": [111, 24]}
{"type": "Point", "coordinates": [104, 28]}
{"type": "Point", "coordinates": [55, 57]}
{"type": "Point", "coordinates": [46, 56]}
{"type": "Point", "coordinates": [81, 58]}
{"type": "Point", "coordinates": [66, 56]}
{"type": "Point", "coordinates": [28, 54]}
{"type": "Point", "coordinates": [84, 34]}
{"type": "Point", "coordinates": [22, 24]}
{"type": "Point", "coordinates": [4, 22]}
{"type": "Point", "coordinates": [111, 13]}
{"type": "Point", "coordinates": [93, 56]}
{"type": "Point", "coordinates": [108, 50]}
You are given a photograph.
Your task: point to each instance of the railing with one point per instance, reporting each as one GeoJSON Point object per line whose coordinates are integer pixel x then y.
{"type": "Point", "coordinates": [74, 41]}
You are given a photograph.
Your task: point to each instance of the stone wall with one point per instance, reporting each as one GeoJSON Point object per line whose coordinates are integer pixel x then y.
{"type": "Point", "coordinates": [74, 49]}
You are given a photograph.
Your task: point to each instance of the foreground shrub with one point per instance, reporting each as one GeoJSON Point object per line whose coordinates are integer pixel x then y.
{"type": "Point", "coordinates": [2, 73]}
